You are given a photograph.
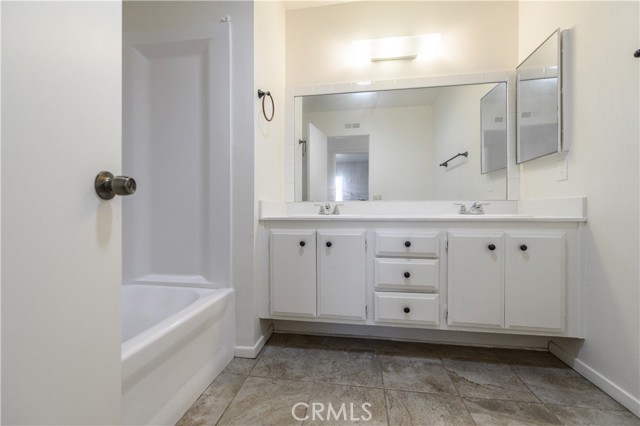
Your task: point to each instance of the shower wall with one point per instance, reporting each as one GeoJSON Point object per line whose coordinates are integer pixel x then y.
{"type": "Point", "coordinates": [176, 144]}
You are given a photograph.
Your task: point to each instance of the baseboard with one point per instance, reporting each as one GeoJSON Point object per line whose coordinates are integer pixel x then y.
{"type": "Point", "coordinates": [614, 391]}
{"type": "Point", "coordinates": [253, 351]}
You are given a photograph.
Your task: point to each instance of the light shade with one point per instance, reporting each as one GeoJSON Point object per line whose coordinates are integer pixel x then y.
{"type": "Point", "coordinates": [396, 48]}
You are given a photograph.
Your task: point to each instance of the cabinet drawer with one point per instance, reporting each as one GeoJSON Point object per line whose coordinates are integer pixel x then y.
{"type": "Point", "coordinates": [409, 244]}
{"type": "Point", "coordinates": [406, 308]}
{"type": "Point", "coordinates": [407, 274]}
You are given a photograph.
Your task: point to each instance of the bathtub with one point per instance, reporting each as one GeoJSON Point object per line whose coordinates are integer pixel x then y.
{"type": "Point", "coordinates": [175, 342]}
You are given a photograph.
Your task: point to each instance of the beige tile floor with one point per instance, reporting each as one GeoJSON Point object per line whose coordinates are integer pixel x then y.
{"type": "Point", "coordinates": [403, 384]}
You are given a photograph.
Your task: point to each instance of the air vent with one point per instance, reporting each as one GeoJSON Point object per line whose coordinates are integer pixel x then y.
{"type": "Point", "coordinates": [351, 125]}
{"type": "Point", "coordinates": [529, 114]}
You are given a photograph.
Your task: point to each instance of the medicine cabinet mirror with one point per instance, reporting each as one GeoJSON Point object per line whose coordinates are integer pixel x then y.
{"type": "Point", "coordinates": [539, 101]}
{"type": "Point", "coordinates": [391, 144]}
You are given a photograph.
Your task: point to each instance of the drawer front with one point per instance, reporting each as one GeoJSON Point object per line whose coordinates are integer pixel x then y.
{"type": "Point", "coordinates": [407, 244]}
{"type": "Point", "coordinates": [407, 274]}
{"type": "Point", "coordinates": [406, 308]}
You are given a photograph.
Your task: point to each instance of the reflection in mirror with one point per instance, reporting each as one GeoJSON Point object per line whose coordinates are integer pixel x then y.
{"type": "Point", "coordinates": [538, 119]}
{"type": "Point", "coordinates": [388, 145]}
{"type": "Point", "coordinates": [493, 111]}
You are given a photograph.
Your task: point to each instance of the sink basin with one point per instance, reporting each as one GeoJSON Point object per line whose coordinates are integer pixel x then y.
{"type": "Point", "coordinates": [486, 216]}
{"type": "Point", "coordinates": [323, 216]}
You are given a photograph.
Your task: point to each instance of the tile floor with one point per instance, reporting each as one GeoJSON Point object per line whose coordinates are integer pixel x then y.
{"type": "Point", "coordinates": [403, 383]}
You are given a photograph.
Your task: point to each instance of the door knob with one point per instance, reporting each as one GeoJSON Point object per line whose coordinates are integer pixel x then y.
{"type": "Point", "coordinates": [108, 186]}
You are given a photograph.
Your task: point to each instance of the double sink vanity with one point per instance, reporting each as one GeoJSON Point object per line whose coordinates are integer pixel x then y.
{"type": "Point", "coordinates": [512, 266]}
{"type": "Point", "coordinates": [514, 269]}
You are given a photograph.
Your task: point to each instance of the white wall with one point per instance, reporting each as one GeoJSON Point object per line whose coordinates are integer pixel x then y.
{"type": "Point", "coordinates": [457, 114]}
{"type": "Point", "coordinates": [269, 42]}
{"type": "Point", "coordinates": [601, 125]}
{"type": "Point", "coordinates": [401, 160]}
{"type": "Point", "coordinates": [476, 36]}
{"type": "Point", "coordinates": [141, 16]}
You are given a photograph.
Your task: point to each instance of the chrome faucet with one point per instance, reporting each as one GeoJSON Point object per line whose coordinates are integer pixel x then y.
{"type": "Point", "coordinates": [325, 208]}
{"type": "Point", "coordinates": [463, 208]}
{"type": "Point", "coordinates": [476, 208]}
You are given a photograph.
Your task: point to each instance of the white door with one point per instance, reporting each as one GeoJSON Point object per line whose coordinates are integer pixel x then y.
{"type": "Point", "coordinates": [534, 281]}
{"type": "Point", "coordinates": [61, 245]}
{"type": "Point", "coordinates": [317, 150]}
{"type": "Point", "coordinates": [341, 274]}
{"type": "Point", "coordinates": [293, 272]}
{"type": "Point", "coordinates": [475, 288]}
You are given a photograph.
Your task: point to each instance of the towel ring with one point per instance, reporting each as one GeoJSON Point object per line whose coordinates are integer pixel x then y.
{"type": "Point", "coordinates": [264, 95]}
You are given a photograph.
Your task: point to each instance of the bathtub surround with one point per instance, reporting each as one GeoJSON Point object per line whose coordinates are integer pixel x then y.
{"type": "Point", "coordinates": [170, 355]}
{"type": "Point", "coordinates": [249, 134]}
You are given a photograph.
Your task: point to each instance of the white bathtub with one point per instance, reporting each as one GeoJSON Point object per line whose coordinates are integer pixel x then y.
{"type": "Point", "coordinates": [175, 342]}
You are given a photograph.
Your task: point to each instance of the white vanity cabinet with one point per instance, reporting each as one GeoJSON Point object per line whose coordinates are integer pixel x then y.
{"type": "Point", "coordinates": [496, 274]}
{"type": "Point", "coordinates": [341, 274]}
{"type": "Point", "coordinates": [476, 279]}
{"type": "Point", "coordinates": [317, 273]}
{"type": "Point", "coordinates": [535, 281]}
{"type": "Point", "coordinates": [293, 272]}
{"type": "Point", "coordinates": [513, 280]}
{"type": "Point", "coordinates": [407, 277]}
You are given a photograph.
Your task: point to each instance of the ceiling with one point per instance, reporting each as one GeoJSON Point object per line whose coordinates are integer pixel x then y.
{"type": "Point", "coordinates": [305, 4]}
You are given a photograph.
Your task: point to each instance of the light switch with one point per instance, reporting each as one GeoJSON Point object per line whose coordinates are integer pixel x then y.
{"type": "Point", "coordinates": [563, 165]}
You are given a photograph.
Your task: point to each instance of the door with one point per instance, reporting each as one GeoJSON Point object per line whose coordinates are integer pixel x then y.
{"type": "Point", "coordinates": [317, 150]}
{"type": "Point", "coordinates": [293, 272]}
{"type": "Point", "coordinates": [61, 244]}
{"type": "Point", "coordinates": [534, 281]}
{"type": "Point", "coordinates": [475, 279]}
{"type": "Point", "coordinates": [341, 274]}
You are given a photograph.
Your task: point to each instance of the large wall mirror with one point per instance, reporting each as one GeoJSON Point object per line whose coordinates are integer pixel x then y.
{"type": "Point", "coordinates": [391, 144]}
{"type": "Point", "coordinates": [539, 101]}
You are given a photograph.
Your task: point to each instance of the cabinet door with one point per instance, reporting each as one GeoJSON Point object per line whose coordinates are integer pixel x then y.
{"type": "Point", "coordinates": [534, 281]}
{"type": "Point", "coordinates": [476, 279]}
{"type": "Point", "coordinates": [293, 272]}
{"type": "Point", "coordinates": [341, 274]}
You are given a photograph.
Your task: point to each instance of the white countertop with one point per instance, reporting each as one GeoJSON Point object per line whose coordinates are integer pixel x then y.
{"type": "Point", "coordinates": [425, 218]}
{"type": "Point", "coordinates": [524, 211]}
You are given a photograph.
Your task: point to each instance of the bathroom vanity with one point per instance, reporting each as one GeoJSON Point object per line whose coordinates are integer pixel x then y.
{"type": "Point", "coordinates": [517, 272]}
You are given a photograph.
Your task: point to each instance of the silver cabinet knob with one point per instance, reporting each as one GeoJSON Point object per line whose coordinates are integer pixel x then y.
{"type": "Point", "coordinates": [108, 186]}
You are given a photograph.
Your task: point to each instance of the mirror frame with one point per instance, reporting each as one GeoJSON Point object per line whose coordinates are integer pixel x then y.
{"type": "Point", "coordinates": [560, 146]}
{"type": "Point", "coordinates": [291, 144]}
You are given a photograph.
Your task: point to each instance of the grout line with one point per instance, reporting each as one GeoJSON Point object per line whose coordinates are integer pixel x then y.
{"type": "Point", "coordinates": [386, 408]}
{"type": "Point", "coordinates": [464, 402]}
{"type": "Point", "coordinates": [510, 367]}
{"type": "Point", "coordinates": [232, 399]}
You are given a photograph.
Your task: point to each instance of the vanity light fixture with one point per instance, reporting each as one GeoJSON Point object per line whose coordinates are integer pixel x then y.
{"type": "Point", "coordinates": [364, 83]}
{"type": "Point", "coordinates": [396, 48]}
